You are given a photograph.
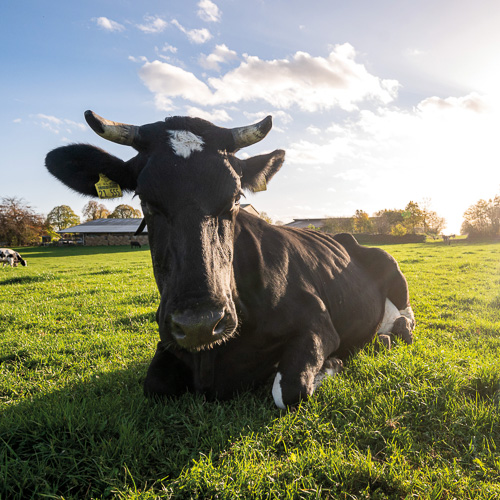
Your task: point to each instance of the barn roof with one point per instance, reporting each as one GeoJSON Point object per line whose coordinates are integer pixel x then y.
{"type": "Point", "coordinates": [303, 223]}
{"type": "Point", "coordinates": [121, 225]}
{"type": "Point", "coordinates": [106, 226]}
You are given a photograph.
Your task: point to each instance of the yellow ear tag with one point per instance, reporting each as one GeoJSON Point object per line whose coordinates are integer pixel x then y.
{"type": "Point", "coordinates": [106, 188]}
{"type": "Point", "coordinates": [261, 186]}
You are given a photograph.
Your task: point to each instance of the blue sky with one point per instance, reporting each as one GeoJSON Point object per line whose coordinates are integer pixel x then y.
{"type": "Point", "coordinates": [376, 102]}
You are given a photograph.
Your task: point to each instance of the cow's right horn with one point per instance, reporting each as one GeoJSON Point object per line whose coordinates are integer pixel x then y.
{"type": "Point", "coordinates": [120, 133]}
{"type": "Point", "coordinates": [246, 136]}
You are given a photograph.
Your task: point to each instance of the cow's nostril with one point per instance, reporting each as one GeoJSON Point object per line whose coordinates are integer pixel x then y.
{"type": "Point", "coordinates": [177, 331]}
{"type": "Point", "coordinates": [221, 325]}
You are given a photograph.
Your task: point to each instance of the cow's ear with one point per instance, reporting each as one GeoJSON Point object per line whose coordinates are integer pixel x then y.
{"type": "Point", "coordinates": [79, 165]}
{"type": "Point", "coordinates": [257, 171]}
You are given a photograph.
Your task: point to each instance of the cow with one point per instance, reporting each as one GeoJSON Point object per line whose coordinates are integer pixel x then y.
{"type": "Point", "coordinates": [11, 257]}
{"type": "Point", "coordinates": [241, 300]}
{"type": "Point", "coordinates": [135, 244]}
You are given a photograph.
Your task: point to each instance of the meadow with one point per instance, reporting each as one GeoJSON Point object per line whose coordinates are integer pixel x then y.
{"type": "Point", "coordinates": [77, 331]}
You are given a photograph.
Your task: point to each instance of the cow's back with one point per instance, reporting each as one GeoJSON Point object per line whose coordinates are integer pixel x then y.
{"type": "Point", "coordinates": [286, 275]}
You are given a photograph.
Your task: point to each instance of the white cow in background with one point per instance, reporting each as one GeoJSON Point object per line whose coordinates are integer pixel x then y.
{"type": "Point", "coordinates": [8, 256]}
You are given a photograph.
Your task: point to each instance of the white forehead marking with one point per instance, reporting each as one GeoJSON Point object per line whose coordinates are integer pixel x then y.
{"type": "Point", "coordinates": [184, 143]}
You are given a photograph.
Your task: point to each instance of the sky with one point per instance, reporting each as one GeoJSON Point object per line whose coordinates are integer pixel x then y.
{"type": "Point", "coordinates": [376, 103]}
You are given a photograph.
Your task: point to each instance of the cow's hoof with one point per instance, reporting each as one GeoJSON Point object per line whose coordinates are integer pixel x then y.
{"type": "Point", "coordinates": [385, 340]}
{"type": "Point", "coordinates": [331, 367]}
{"type": "Point", "coordinates": [402, 328]}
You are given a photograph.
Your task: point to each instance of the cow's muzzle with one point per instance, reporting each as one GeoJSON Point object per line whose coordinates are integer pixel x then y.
{"type": "Point", "coordinates": [195, 330]}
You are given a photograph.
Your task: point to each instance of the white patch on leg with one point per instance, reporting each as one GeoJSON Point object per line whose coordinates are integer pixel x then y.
{"type": "Point", "coordinates": [184, 143]}
{"type": "Point", "coordinates": [277, 394]}
{"type": "Point", "coordinates": [391, 314]}
{"type": "Point", "coordinates": [323, 374]}
{"type": "Point", "coordinates": [408, 313]}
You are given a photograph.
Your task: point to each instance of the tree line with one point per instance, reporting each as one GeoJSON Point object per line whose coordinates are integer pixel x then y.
{"type": "Point", "coordinates": [412, 219]}
{"type": "Point", "coordinates": [21, 225]}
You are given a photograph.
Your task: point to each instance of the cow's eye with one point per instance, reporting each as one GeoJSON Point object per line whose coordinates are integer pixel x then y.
{"type": "Point", "coordinates": [237, 199]}
{"type": "Point", "coordinates": [149, 209]}
{"type": "Point", "coordinates": [232, 205]}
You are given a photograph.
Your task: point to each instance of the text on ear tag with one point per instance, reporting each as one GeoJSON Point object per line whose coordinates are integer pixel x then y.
{"type": "Point", "coordinates": [261, 186]}
{"type": "Point", "coordinates": [106, 188]}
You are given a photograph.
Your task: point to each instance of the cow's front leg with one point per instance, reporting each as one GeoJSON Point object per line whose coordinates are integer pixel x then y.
{"type": "Point", "coordinates": [300, 366]}
{"type": "Point", "coordinates": [167, 375]}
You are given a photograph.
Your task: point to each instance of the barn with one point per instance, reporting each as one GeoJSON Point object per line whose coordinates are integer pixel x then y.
{"type": "Point", "coordinates": [110, 232]}
{"type": "Point", "coordinates": [107, 232]}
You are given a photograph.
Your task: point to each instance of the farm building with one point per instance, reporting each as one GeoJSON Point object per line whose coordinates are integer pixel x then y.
{"type": "Point", "coordinates": [304, 223]}
{"type": "Point", "coordinates": [319, 223]}
{"type": "Point", "coordinates": [116, 231]}
{"type": "Point", "coordinates": [108, 232]}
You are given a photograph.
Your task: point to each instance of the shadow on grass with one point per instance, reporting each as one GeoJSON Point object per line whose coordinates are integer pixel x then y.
{"type": "Point", "coordinates": [26, 280]}
{"type": "Point", "coordinates": [91, 438]}
{"type": "Point", "coordinates": [67, 251]}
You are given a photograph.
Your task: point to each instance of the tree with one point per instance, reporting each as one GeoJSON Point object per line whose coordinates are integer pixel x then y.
{"type": "Point", "coordinates": [412, 216]}
{"type": "Point", "coordinates": [362, 222]}
{"type": "Point", "coordinates": [264, 216]}
{"type": "Point", "coordinates": [19, 223]}
{"type": "Point", "coordinates": [336, 225]}
{"type": "Point", "coordinates": [398, 230]}
{"type": "Point", "coordinates": [62, 217]}
{"type": "Point", "coordinates": [431, 222]}
{"type": "Point", "coordinates": [94, 210]}
{"type": "Point", "coordinates": [125, 212]}
{"type": "Point", "coordinates": [387, 219]}
{"type": "Point", "coordinates": [483, 218]}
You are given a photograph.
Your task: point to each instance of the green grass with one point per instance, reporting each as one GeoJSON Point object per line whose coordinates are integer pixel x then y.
{"type": "Point", "coordinates": [77, 332]}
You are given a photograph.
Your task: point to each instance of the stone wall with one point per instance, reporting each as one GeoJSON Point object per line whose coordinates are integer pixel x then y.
{"type": "Point", "coordinates": [110, 239]}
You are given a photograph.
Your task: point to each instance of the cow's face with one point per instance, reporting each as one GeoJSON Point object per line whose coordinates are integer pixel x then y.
{"type": "Point", "coordinates": [190, 184]}
{"type": "Point", "coordinates": [190, 195]}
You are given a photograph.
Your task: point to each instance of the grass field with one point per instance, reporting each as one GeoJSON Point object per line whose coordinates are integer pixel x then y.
{"type": "Point", "coordinates": [77, 331]}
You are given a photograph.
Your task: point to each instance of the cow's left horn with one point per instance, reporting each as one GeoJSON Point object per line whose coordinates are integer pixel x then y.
{"type": "Point", "coordinates": [246, 136]}
{"type": "Point", "coordinates": [120, 133]}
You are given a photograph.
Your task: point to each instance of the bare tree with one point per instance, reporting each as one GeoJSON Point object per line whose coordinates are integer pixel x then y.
{"type": "Point", "coordinates": [19, 223]}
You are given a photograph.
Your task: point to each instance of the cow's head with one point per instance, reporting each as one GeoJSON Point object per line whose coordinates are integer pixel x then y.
{"type": "Point", "coordinates": [190, 184]}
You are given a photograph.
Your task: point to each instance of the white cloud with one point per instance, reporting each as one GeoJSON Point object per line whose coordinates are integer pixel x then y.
{"type": "Point", "coordinates": [169, 81]}
{"type": "Point", "coordinates": [208, 11]}
{"type": "Point", "coordinates": [168, 48]}
{"type": "Point", "coordinates": [57, 125]}
{"type": "Point", "coordinates": [221, 55]}
{"type": "Point", "coordinates": [197, 36]}
{"type": "Point", "coordinates": [108, 24]}
{"type": "Point", "coordinates": [310, 83]}
{"type": "Point", "coordinates": [443, 148]}
{"type": "Point", "coordinates": [472, 102]}
{"type": "Point", "coordinates": [153, 24]}
{"type": "Point", "coordinates": [313, 130]}
{"type": "Point", "coordinates": [215, 116]}
{"type": "Point", "coordinates": [137, 59]}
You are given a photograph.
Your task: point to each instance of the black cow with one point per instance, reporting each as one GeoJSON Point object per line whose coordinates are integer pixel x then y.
{"type": "Point", "coordinates": [240, 299]}
{"type": "Point", "coordinates": [135, 244]}
{"type": "Point", "coordinates": [11, 257]}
